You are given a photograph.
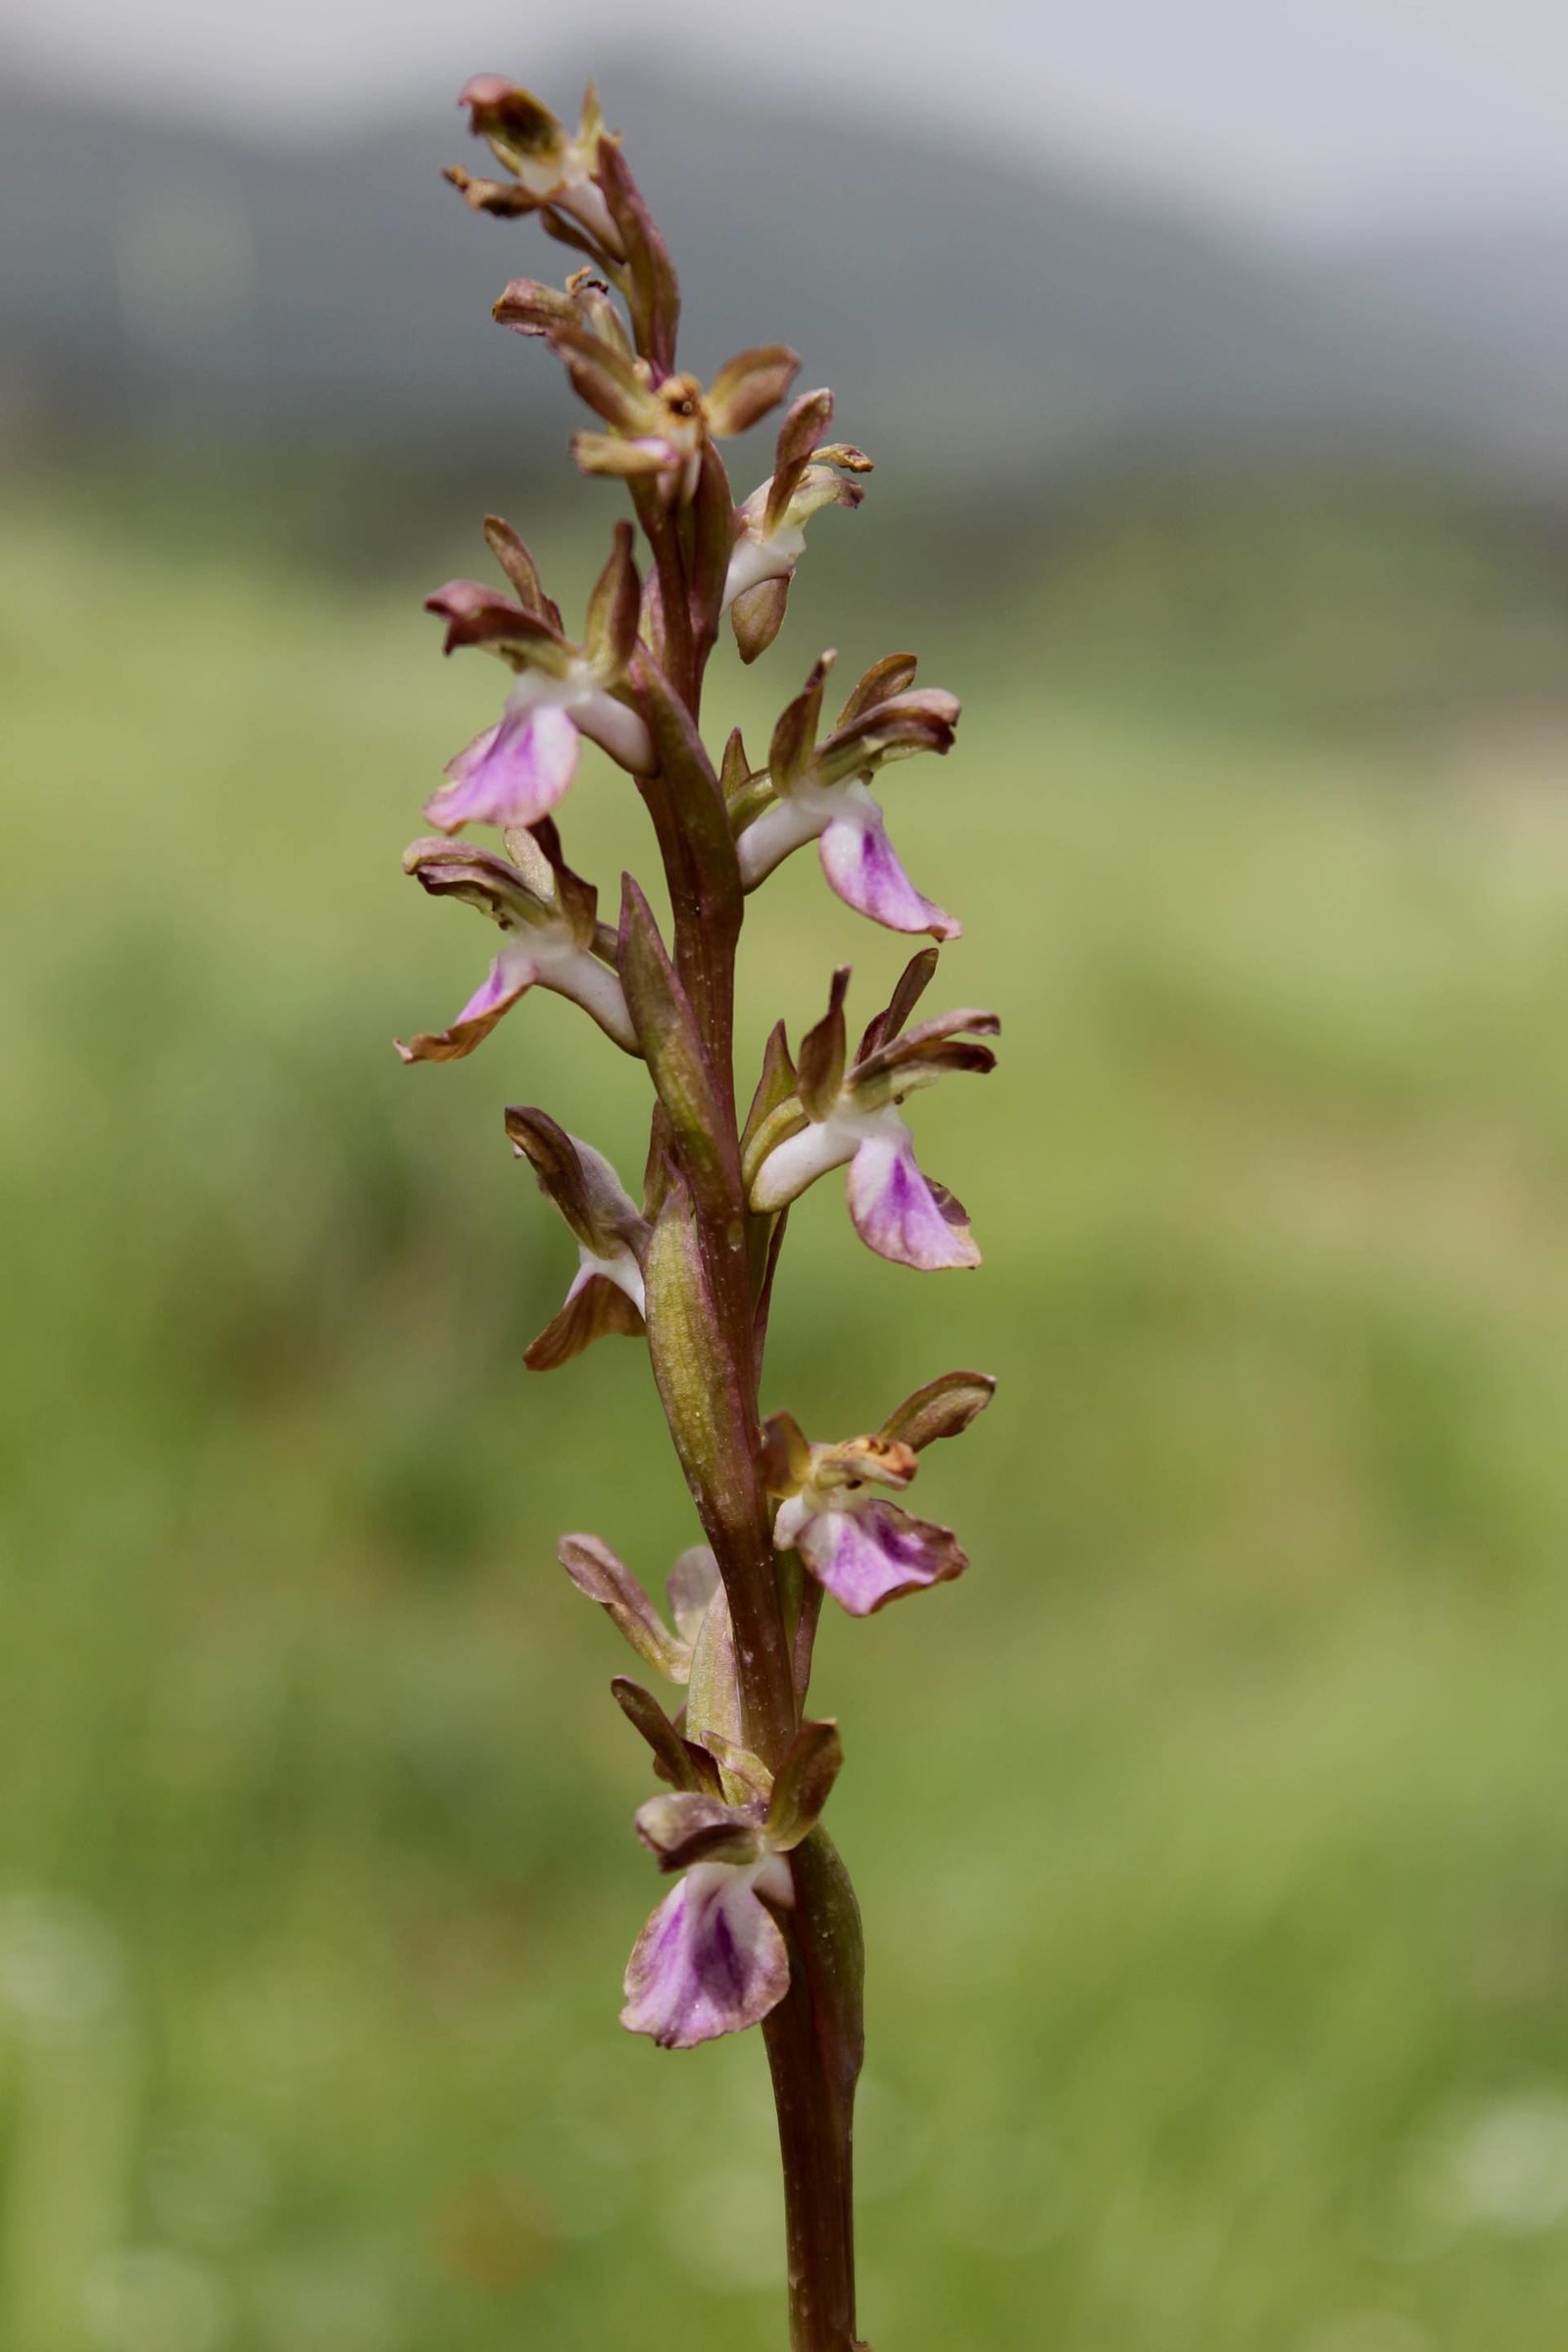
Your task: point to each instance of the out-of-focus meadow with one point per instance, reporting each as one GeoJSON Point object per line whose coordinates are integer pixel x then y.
{"type": "Point", "coordinates": [1211, 1833]}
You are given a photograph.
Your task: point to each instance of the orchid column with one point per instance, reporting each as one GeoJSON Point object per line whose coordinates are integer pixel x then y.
{"type": "Point", "coordinates": [761, 1925]}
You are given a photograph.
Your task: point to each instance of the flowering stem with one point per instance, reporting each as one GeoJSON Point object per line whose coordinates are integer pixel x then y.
{"type": "Point", "coordinates": [814, 2034]}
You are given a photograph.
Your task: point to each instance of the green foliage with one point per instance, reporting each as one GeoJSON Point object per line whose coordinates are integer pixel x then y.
{"type": "Point", "coordinates": [1217, 1960]}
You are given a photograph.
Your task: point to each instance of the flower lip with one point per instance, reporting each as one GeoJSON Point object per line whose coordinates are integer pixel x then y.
{"type": "Point", "coordinates": [871, 1551]}
{"type": "Point", "coordinates": [712, 1959]}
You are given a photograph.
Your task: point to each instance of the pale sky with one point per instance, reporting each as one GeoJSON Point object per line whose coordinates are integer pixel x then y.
{"type": "Point", "coordinates": [1322, 116]}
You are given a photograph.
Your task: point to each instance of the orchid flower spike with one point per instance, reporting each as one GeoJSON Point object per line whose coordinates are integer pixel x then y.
{"type": "Point", "coordinates": [659, 426]}
{"type": "Point", "coordinates": [811, 791]}
{"type": "Point", "coordinates": [807, 474]}
{"type": "Point", "coordinates": [806, 1121]}
{"type": "Point", "coordinates": [516, 771]}
{"type": "Point", "coordinates": [547, 915]}
{"type": "Point", "coordinates": [712, 1959]}
{"type": "Point", "coordinates": [553, 171]}
{"type": "Point", "coordinates": [607, 1292]}
{"type": "Point", "coordinates": [860, 1547]}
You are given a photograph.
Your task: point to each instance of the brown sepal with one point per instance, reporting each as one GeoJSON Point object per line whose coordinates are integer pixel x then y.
{"type": "Point", "coordinates": [893, 674]}
{"type": "Point", "coordinates": [802, 1784]}
{"type": "Point", "coordinates": [784, 1458]}
{"type": "Point", "coordinates": [503, 199]}
{"type": "Point", "coordinates": [747, 386]}
{"type": "Point", "coordinates": [805, 423]}
{"type": "Point", "coordinates": [776, 1085]}
{"type": "Point", "coordinates": [615, 607]}
{"type": "Point", "coordinates": [675, 1759]}
{"type": "Point", "coordinates": [911, 986]}
{"type": "Point", "coordinates": [476, 615]}
{"type": "Point", "coordinates": [512, 553]}
{"type": "Point", "coordinates": [795, 735]}
{"type": "Point", "coordinates": [530, 308]}
{"type": "Point", "coordinates": [605, 379]}
{"type": "Point", "coordinates": [735, 769]}
{"type": "Point", "coordinates": [653, 291]}
{"type": "Point", "coordinates": [825, 1051]}
{"type": "Point", "coordinates": [943, 1408]}
{"type": "Point", "coordinates": [598, 1310]}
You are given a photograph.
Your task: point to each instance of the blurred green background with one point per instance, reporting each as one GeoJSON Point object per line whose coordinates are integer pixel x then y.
{"type": "Point", "coordinates": [1211, 1833]}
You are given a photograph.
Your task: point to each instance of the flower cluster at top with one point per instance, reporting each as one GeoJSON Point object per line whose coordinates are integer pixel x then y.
{"type": "Point", "coordinates": [714, 1956]}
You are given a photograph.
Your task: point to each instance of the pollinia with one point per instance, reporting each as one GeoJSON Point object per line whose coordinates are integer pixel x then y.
{"type": "Point", "coordinates": [760, 1927]}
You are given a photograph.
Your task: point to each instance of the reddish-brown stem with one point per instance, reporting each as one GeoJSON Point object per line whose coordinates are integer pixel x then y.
{"type": "Point", "coordinates": [814, 2036]}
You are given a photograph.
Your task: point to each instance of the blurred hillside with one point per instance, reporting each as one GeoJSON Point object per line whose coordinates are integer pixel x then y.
{"type": "Point", "coordinates": [1002, 322]}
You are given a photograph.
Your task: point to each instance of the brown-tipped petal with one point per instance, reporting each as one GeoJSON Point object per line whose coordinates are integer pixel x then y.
{"type": "Point", "coordinates": [503, 199]}
{"type": "Point", "coordinates": [789, 755]}
{"type": "Point", "coordinates": [577, 900]}
{"type": "Point", "coordinates": [598, 1310]}
{"type": "Point", "coordinates": [607, 380]}
{"type": "Point", "coordinates": [595, 1570]}
{"type": "Point", "coordinates": [597, 311]}
{"type": "Point", "coordinates": [609, 635]}
{"type": "Point", "coordinates": [599, 248]}
{"type": "Point", "coordinates": [517, 123]}
{"type": "Point", "coordinates": [455, 869]}
{"type": "Point", "coordinates": [578, 1180]}
{"type": "Point", "coordinates": [512, 974]}
{"type": "Point", "coordinates": [735, 771]}
{"type": "Point", "coordinates": [689, 1828]}
{"type": "Point", "coordinates": [756, 615]}
{"type": "Point", "coordinates": [616, 458]}
{"type": "Point", "coordinates": [652, 290]}
{"type": "Point", "coordinates": [747, 386]}
{"type": "Point", "coordinates": [804, 1784]}
{"type": "Point", "coordinates": [785, 1459]}
{"type": "Point", "coordinates": [943, 1408]}
{"type": "Point", "coordinates": [674, 1758]}
{"type": "Point", "coordinates": [929, 1043]}
{"type": "Point", "coordinates": [803, 425]}
{"type": "Point", "coordinates": [823, 1052]}
{"type": "Point", "coordinates": [531, 307]}
{"type": "Point", "coordinates": [893, 674]}
{"type": "Point", "coordinates": [512, 553]}
{"type": "Point", "coordinates": [911, 985]}
{"type": "Point", "coordinates": [476, 614]}
{"type": "Point", "coordinates": [923, 720]}
{"type": "Point", "coordinates": [557, 1164]}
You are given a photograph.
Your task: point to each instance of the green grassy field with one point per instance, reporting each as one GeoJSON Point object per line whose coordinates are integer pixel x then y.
{"type": "Point", "coordinates": [1210, 1833]}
